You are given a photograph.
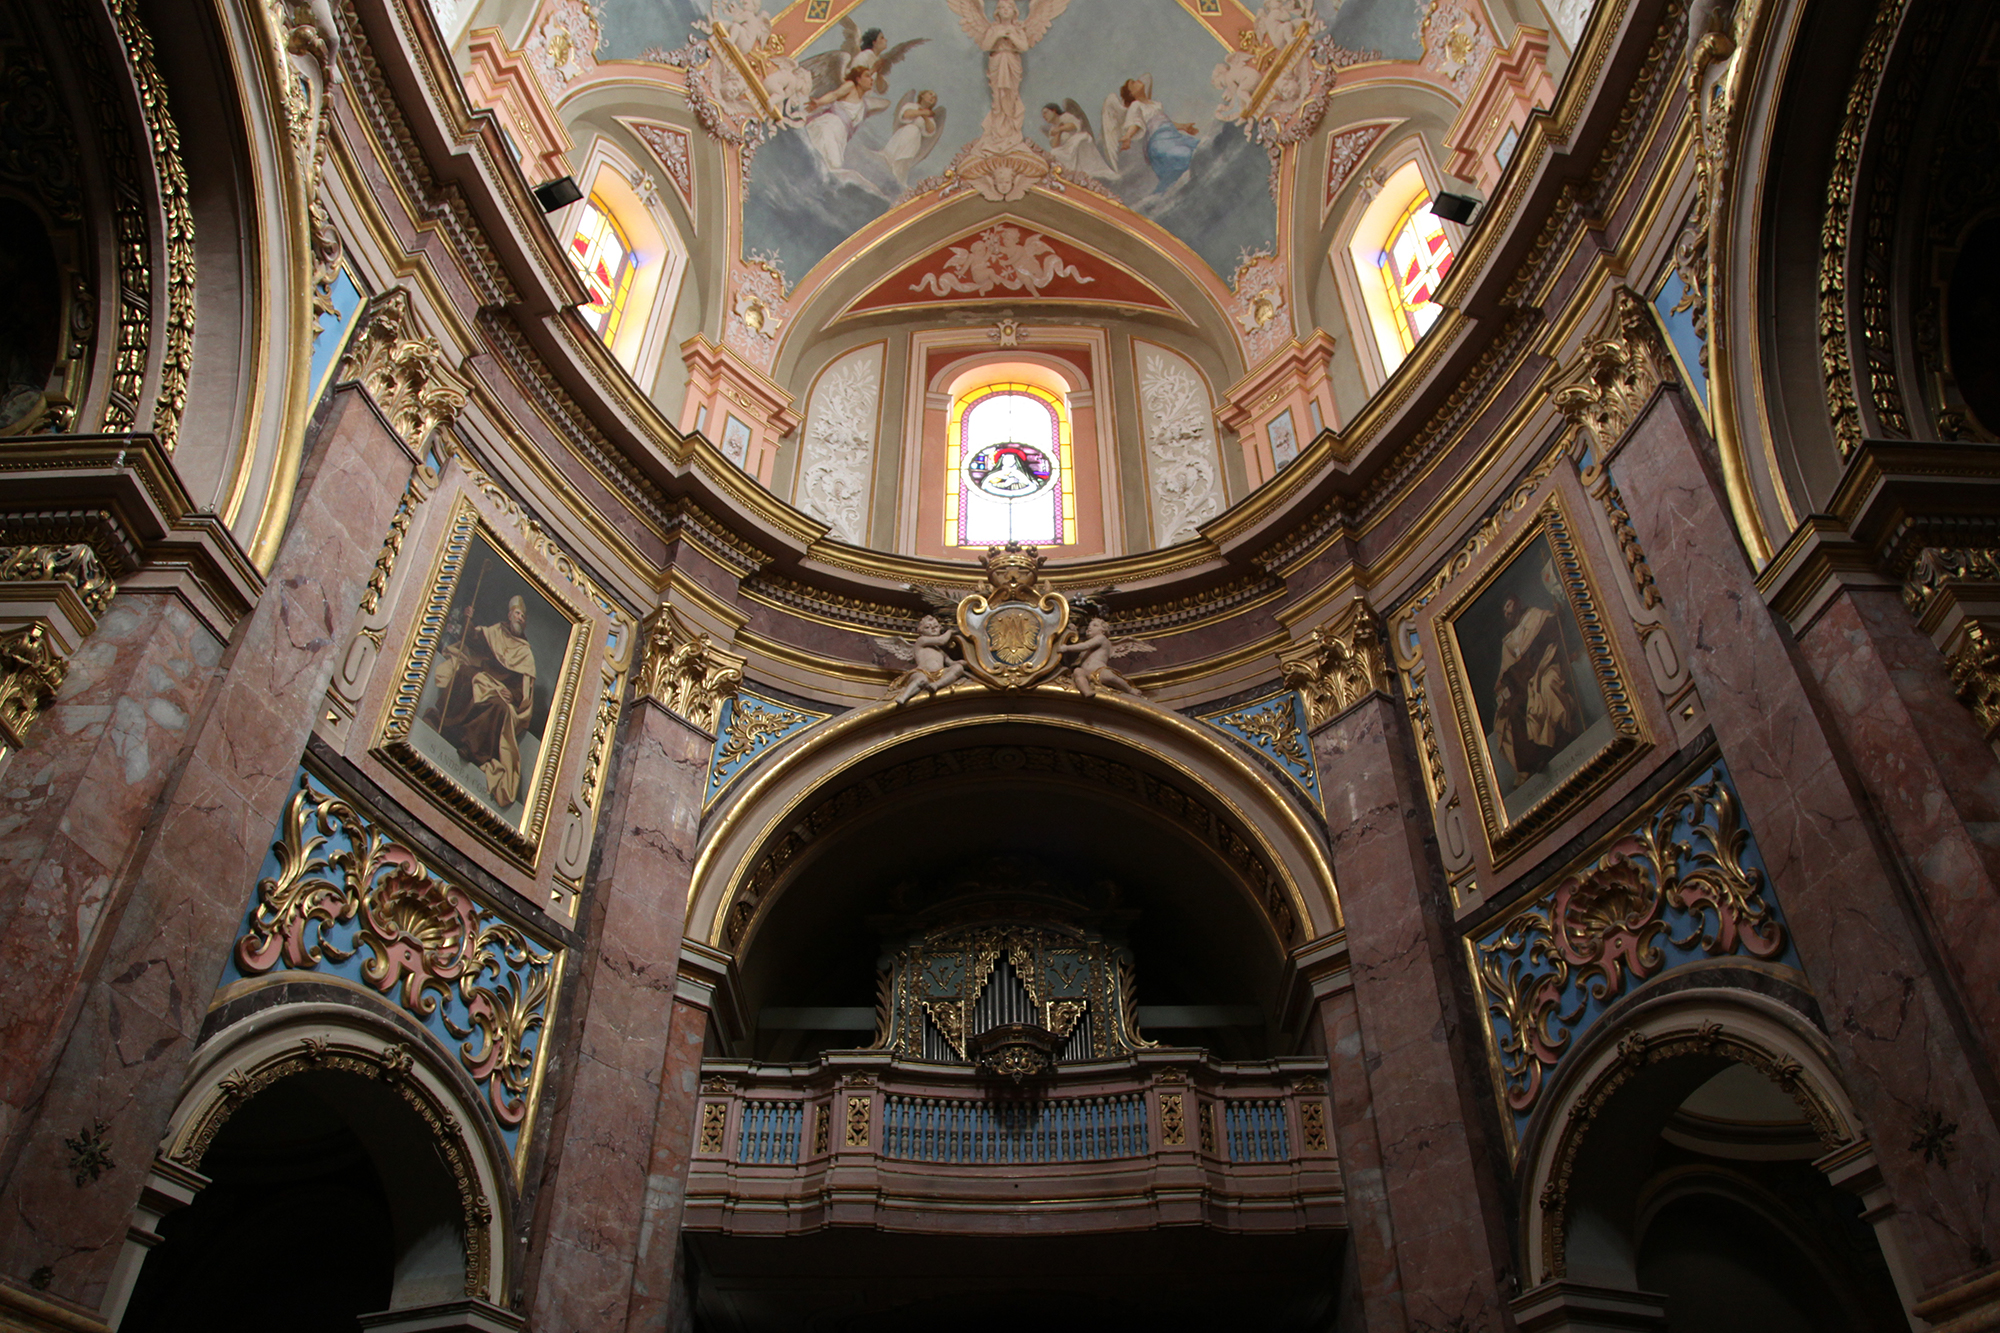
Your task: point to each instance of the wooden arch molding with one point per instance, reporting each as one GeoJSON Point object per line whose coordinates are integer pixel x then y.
{"type": "Point", "coordinates": [1709, 1023]}
{"type": "Point", "coordinates": [248, 1058]}
{"type": "Point", "coordinates": [1231, 807]}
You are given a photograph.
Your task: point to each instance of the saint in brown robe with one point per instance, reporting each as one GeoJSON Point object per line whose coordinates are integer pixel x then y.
{"type": "Point", "coordinates": [488, 697]}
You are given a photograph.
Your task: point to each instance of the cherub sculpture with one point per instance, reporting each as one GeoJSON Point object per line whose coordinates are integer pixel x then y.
{"type": "Point", "coordinates": [933, 670]}
{"type": "Point", "coordinates": [1094, 653]}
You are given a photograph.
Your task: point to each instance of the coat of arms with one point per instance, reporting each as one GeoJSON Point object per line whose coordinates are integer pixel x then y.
{"type": "Point", "coordinates": [1013, 630]}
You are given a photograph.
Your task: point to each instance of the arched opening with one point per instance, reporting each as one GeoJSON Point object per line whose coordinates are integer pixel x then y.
{"type": "Point", "coordinates": [1398, 253]}
{"type": "Point", "coordinates": [1684, 1167]}
{"type": "Point", "coordinates": [323, 1163]}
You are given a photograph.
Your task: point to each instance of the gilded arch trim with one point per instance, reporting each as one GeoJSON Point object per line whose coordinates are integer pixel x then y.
{"type": "Point", "coordinates": [789, 791]}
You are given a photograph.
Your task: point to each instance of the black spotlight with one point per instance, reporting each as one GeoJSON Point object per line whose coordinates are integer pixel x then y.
{"type": "Point", "coordinates": [1457, 208]}
{"type": "Point", "coordinates": [558, 193]}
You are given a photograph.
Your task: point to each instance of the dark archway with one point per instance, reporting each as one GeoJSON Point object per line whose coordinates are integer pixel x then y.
{"type": "Point", "coordinates": [325, 1174]}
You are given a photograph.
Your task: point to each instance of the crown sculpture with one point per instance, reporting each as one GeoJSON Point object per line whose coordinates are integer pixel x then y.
{"type": "Point", "coordinates": [1010, 636]}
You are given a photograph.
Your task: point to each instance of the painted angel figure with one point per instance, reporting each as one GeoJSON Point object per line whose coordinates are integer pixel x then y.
{"type": "Point", "coordinates": [1131, 118]}
{"type": "Point", "coordinates": [832, 121]}
{"type": "Point", "coordinates": [1094, 653]}
{"type": "Point", "coordinates": [1004, 38]}
{"type": "Point", "coordinates": [919, 121]}
{"type": "Point", "coordinates": [933, 670]}
{"type": "Point", "coordinates": [858, 50]}
{"type": "Point", "coordinates": [1072, 143]}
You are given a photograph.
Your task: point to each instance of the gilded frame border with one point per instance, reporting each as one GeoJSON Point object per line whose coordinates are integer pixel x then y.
{"type": "Point", "coordinates": [520, 843]}
{"type": "Point", "coordinates": [1507, 838]}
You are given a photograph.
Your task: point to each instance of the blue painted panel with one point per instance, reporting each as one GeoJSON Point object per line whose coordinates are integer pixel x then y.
{"type": "Point", "coordinates": [1275, 727]}
{"type": "Point", "coordinates": [748, 728]}
{"type": "Point", "coordinates": [1680, 330]}
{"type": "Point", "coordinates": [330, 334]}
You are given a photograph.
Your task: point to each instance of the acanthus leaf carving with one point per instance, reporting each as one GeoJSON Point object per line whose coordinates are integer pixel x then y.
{"type": "Point", "coordinates": [31, 671]}
{"type": "Point", "coordinates": [685, 670]}
{"type": "Point", "coordinates": [1616, 372]}
{"type": "Point", "coordinates": [1338, 664]}
{"type": "Point", "coordinates": [405, 372]}
{"type": "Point", "coordinates": [837, 458]}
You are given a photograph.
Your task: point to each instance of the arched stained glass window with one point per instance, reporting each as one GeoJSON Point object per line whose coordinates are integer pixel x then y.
{"type": "Point", "coordinates": [604, 258]}
{"type": "Point", "coordinates": [1413, 264]}
{"type": "Point", "coordinates": [1009, 470]}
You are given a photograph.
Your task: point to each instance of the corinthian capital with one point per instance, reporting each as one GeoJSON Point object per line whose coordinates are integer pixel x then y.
{"type": "Point", "coordinates": [404, 372]}
{"type": "Point", "coordinates": [686, 671]}
{"type": "Point", "coordinates": [1615, 372]}
{"type": "Point", "coordinates": [1338, 664]}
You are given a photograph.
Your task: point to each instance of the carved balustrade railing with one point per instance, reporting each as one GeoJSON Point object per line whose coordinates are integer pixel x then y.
{"type": "Point", "coordinates": [1165, 1136]}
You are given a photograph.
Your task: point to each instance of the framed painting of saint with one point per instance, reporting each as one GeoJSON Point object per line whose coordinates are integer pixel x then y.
{"type": "Point", "coordinates": [483, 705]}
{"type": "Point", "coordinates": [1536, 684]}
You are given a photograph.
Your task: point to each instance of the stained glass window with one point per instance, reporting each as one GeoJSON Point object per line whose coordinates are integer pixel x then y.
{"type": "Point", "coordinates": [604, 258]}
{"type": "Point", "coordinates": [1009, 470]}
{"type": "Point", "coordinates": [1413, 266]}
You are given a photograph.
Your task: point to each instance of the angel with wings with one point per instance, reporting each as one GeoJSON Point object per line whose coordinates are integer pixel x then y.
{"type": "Point", "coordinates": [1132, 118]}
{"type": "Point", "coordinates": [919, 121]}
{"type": "Point", "coordinates": [1071, 142]}
{"type": "Point", "coordinates": [858, 50]}
{"type": "Point", "coordinates": [932, 670]}
{"type": "Point", "coordinates": [1094, 653]}
{"type": "Point", "coordinates": [1004, 38]}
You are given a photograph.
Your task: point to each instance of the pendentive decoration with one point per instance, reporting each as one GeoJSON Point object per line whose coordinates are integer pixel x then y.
{"type": "Point", "coordinates": [1277, 727]}
{"type": "Point", "coordinates": [1011, 636]}
{"type": "Point", "coordinates": [1682, 884]}
{"type": "Point", "coordinates": [686, 671]}
{"type": "Point", "coordinates": [749, 726]}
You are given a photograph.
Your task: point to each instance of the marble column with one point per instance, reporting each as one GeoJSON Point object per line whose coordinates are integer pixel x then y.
{"type": "Point", "coordinates": [73, 804]}
{"type": "Point", "coordinates": [1934, 780]}
{"type": "Point", "coordinates": [1854, 906]}
{"type": "Point", "coordinates": [599, 1244]}
{"type": "Point", "coordinates": [186, 881]}
{"type": "Point", "coordinates": [1439, 1243]}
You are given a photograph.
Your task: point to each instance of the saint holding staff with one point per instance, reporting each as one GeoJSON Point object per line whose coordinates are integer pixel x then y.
{"type": "Point", "coordinates": [486, 698]}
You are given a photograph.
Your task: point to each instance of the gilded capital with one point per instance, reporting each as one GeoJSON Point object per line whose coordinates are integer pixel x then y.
{"type": "Point", "coordinates": [1338, 664]}
{"type": "Point", "coordinates": [1974, 662]}
{"type": "Point", "coordinates": [1615, 373]}
{"type": "Point", "coordinates": [74, 563]}
{"type": "Point", "coordinates": [686, 671]}
{"type": "Point", "coordinates": [404, 372]}
{"type": "Point", "coordinates": [31, 671]}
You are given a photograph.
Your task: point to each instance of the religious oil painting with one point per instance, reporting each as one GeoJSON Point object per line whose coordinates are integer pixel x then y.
{"type": "Point", "coordinates": [497, 656]}
{"type": "Point", "coordinates": [1535, 681]}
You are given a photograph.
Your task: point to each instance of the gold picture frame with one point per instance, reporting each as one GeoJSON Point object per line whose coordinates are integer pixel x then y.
{"type": "Point", "coordinates": [477, 720]}
{"type": "Point", "coordinates": [1537, 685]}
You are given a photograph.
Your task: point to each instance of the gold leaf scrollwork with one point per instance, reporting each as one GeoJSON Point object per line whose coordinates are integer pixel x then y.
{"type": "Point", "coordinates": [857, 1122]}
{"type": "Point", "coordinates": [686, 671]}
{"type": "Point", "coordinates": [1274, 727]}
{"type": "Point", "coordinates": [1602, 929]}
{"type": "Point", "coordinates": [751, 725]}
{"type": "Point", "coordinates": [714, 1116]}
{"type": "Point", "coordinates": [1975, 673]}
{"type": "Point", "coordinates": [427, 942]}
{"type": "Point", "coordinates": [1173, 1120]}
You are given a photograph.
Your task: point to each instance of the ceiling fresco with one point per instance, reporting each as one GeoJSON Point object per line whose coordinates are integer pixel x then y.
{"type": "Point", "coordinates": [1171, 110]}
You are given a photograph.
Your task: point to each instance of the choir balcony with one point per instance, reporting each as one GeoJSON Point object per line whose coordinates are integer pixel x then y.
{"type": "Point", "coordinates": [1165, 1136]}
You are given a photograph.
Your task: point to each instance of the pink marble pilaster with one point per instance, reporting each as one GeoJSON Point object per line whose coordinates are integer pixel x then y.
{"type": "Point", "coordinates": [1444, 1206]}
{"type": "Point", "coordinates": [1371, 1228]}
{"type": "Point", "coordinates": [1931, 774]}
{"type": "Point", "coordinates": [596, 1234]}
{"type": "Point", "coordinates": [654, 1288]}
{"type": "Point", "coordinates": [1902, 1040]}
{"type": "Point", "coordinates": [142, 1004]}
{"type": "Point", "coordinates": [73, 805]}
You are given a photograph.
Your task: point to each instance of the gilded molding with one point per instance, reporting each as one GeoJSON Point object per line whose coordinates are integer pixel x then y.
{"type": "Point", "coordinates": [685, 671]}
{"type": "Point", "coordinates": [1614, 375]}
{"type": "Point", "coordinates": [1338, 664]}
{"type": "Point", "coordinates": [403, 371]}
{"type": "Point", "coordinates": [74, 563]}
{"type": "Point", "coordinates": [394, 1066]}
{"type": "Point", "coordinates": [1836, 366]}
{"type": "Point", "coordinates": [179, 238]}
{"type": "Point", "coordinates": [392, 546]}
{"type": "Point", "coordinates": [31, 671]}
